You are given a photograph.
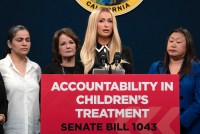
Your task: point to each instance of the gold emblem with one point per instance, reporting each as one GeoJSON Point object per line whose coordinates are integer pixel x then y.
{"type": "Point", "coordinates": [119, 7]}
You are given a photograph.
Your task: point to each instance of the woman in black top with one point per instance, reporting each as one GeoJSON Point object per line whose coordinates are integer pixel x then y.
{"type": "Point", "coordinates": [102, 37]}
{"type": "Point", "coordinates": [65, 44]}
{"type": "Point", "coordinates": [3, 104]}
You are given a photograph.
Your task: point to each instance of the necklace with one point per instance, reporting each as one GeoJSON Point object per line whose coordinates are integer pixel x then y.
{"type": "Point", "coordinates": [72, 70]}
{"type": "Point", "coordinates": [63, 70]}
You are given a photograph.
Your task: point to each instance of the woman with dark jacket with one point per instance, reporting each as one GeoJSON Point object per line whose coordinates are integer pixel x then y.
{"type": "Point", "coordinates": [65, 60]}
{"type": "Point", "coordinates": [180, 59]}
{"type": "Point", "coordinates": [3, 104]}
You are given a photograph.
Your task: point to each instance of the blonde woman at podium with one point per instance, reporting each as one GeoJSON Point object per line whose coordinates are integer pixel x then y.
{"type": "Point", "coordinates": [65, 60]}
{"type": "Point", "coordinates": [102, 42]}
{"type": "Point", "coordinates": [180, 59]}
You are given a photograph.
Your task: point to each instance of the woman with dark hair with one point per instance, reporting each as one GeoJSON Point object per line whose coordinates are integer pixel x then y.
{"type": "Point", "coordinates": [21, 77]}
{"type": "Point", "coordinates": [65, 45]}
{"type": "Point", "coordinates": [3, 104]}
{"type": "Point", "coordinates": [180, 59]}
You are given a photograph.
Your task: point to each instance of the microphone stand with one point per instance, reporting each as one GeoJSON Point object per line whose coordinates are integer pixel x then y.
{"type": "Point", "coordinates": [109, 69]}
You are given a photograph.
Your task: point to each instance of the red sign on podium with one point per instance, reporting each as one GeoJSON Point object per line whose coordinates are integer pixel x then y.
{"type": "Point", "coordinates": [117, 104]}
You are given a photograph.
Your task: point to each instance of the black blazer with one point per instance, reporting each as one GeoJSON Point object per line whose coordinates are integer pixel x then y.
{"type": "Point", "coordinates": [3, 102]}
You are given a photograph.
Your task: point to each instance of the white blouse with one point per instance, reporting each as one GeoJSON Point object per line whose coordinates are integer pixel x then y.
{"type": "Point", "coordinates": [23, 97]}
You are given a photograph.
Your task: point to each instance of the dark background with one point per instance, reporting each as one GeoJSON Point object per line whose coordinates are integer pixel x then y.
{"type": "Point", "coordinates": [144, 29]}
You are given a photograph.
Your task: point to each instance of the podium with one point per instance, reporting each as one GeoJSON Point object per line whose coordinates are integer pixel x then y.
{"type": "Point", "coordinates": [105, 71]}
{"type": "Point", "coordinates": [131, 103]}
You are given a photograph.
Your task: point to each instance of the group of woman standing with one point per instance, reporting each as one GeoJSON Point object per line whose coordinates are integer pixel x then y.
{"type": "Point", "coordinates": [19, 100]}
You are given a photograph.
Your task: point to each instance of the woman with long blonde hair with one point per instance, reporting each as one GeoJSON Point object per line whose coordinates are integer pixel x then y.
{"type": "Point", "coordinates": [102, 36]}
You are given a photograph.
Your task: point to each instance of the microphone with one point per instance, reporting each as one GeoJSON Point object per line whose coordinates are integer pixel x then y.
{"type": "Point", "coordinates": [103, 58]}
{"type": "Point", "coordinates": [117, 58]}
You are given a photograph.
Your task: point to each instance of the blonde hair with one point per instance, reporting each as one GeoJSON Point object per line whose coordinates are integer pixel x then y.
{"type": "Point", "coordinates": [88, 49]}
